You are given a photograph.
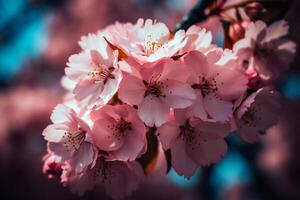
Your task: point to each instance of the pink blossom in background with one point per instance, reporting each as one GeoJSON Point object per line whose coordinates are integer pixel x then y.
{"type": "Point", "coordinates": [193, 142]}
{"type": "Point", "coordinates": [265, 50]}
{"type": "Point", "coordinates": [118, 178]}
{"type": "Point", "coordinates": [119, 131]}
{"type": "Point", "coordinates": [259, 112]}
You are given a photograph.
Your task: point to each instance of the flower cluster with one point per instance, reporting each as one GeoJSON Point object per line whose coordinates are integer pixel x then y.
{"type": "Point", "coordinates": [130, 79]}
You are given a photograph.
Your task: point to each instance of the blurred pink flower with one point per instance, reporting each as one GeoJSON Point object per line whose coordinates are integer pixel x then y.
{"type": "Point", "coordinates": [264, 50]}
{"type": "Point", "coordinates": [259, 112]}
{"type": "Point", "coordinates": [216, 82]}
{"type": "Point", "coordinates": [69, 138]}
{"type": "Point", "coordinates": [119, 131]}
{"type": "Point", "coordinates": [192, 141]}
{"type": "Point", "coordinates": [162, 86]}
{"type": "Point", "coordinates": [118, 178]}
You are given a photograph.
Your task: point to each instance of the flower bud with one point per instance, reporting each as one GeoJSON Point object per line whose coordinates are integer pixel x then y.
{"type": "Point", "coordinates": [51, 167]}
{"type": "Point", "coordinates": [237, 30]}
{"type": "Point", "coordinates": [254, 10]}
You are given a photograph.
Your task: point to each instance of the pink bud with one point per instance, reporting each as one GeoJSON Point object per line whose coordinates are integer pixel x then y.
{"type": "Point", "coordinates": [254, 10]}
{"type": "Point", "coordinates": [51, 167]}
{"type": "Point", "coordinates": [237, 30]}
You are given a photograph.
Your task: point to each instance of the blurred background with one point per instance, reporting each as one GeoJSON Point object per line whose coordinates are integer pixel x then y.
{"type": "Point", "coordinates": [36, 39]}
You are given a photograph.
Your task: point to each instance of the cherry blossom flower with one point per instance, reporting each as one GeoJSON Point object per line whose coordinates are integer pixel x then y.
{"type": "Point", "coordinates": [265, 50]}
{"type": "Point", "coordinates": [119, 131]}
{"type": "Point", "coordinates": [149, 41]}
{"type": "Point", "coordinates": [161, 86]}
{"type": "Point", "coordinates": [69, 138]}
{"type": "Point", "coordinates": [259, 112]}
{"type": "Point", "coordinates": [118, 178]}
{"type": "Point", "coordinates": [94, 70]}
{"type": "Point", "coordinates": [216, 82]}
{"type": "Point", "coordinates": [193, 142]}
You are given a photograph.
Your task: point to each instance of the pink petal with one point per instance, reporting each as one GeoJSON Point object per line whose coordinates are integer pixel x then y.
{"type": "Point", "coordinates": [61, 113]}
{"type": "Point", "coordinates": [102, 133]}
{"type": "Point", "coordinates": [83, 157]}
{"type": "Point", "coordinates": [208, 151]}
{"type": "Point", "coordinates": [131, 90]}
{"type": "Point", "coordinates": [197, 63]}
{"type": "Point", "coordinates": [167, 133]}
{"type": "Point", "coordinates": [55, 132]}
{"type": "Point", "coordinates": [153, 111]}
{"type": "Point", "coordinates": [213, 130]}
{"type": "Point", "coordinates": [126, 178]}
{"type": "Point", "coordinates": [181, 161]}
{"type": "Point", "coordinates": [197, 108]}
{"type": "Point", "coordinates": [276, 30]}
{"type": "Point", "coordinates": [231, 83]}
{"type": "Point", "coordinates": [60, 151]}
{"type": "Point", "coordinates": [218, 109]}
{"type": "Point", "coordinates": [132, 147]}
{"type": "Point", "coordinates": [178, 94]}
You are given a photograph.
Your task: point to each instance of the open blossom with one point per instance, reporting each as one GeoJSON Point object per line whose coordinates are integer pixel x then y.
{"type": "Point", "coordinates": [95, 71]}
{"type": "Point", "coordinates": [265, 50]}
{"type": "Point", "coordinates": [149, 41]}
{"type": "Point", "coordinates": [118, 178]}
{"type": "Point", "coordinates": [216, 82]}
{"type": "Point", "coordinates": [193, 142]}
{"type": "Point", "coordinates": [119, 131]}
{"type": "Point", "coordinates": [259, 112]}
{"type": "Point", "coordinates": [69, 138]}
{"type": "Point", "coordinates": [161, 86]}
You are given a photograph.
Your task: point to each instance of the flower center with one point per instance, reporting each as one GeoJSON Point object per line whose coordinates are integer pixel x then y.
{"type": "Point", "coordinates": [206, 86]}
{"type": "Point", "coordinates": [187, 131]}
{"type": "Point", "coordinates": [154, 89]}
{"type": "Point", "coordinates": [151, 47]}
{"type": "Point", "coordinates": [101, 74]}
{"type": "Point", "coordinates": [123, 126]}
{"type": "Point", "coordinates": [73, 140]}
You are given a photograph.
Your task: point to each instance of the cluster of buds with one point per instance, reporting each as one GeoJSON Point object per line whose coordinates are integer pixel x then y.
{"type": "Point", "coordinates": [130, 79]}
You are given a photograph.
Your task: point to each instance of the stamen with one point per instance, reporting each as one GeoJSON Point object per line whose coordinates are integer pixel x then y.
{"type": "Point", "coordinates": [151, 46]}
{"type": "Point", "coordinates": [154, 88]}
{"type": "Point", "coordinates": [101, 74]}
{"type": "Point", "coordinates": [73, 140]}
{"type": "Point", "coordinates": [206, 86]}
